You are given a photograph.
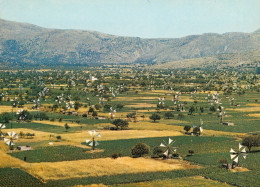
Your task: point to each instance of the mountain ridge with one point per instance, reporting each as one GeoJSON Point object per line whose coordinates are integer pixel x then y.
{"type": "Point", "coordinates": [27, 43]}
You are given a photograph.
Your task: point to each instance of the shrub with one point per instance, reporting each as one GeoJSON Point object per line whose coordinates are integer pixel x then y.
{"type": "Point", "coordinates": [115, 155]}
{"type": "Point", "coordinates": [140, 149]}
{"type": "Point", "coordinates": [187, 128]}
{"type": "Point", "coordinates": [58, 137]}
{"type": "Point", "coordinates": [157, 152]}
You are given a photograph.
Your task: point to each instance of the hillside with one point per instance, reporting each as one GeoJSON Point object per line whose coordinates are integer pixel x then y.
{"type": "Point", "coordinates": [26, 43]}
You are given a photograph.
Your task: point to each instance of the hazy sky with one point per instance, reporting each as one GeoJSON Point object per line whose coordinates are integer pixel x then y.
{"type": "Point", "coordinates": [142, 18]}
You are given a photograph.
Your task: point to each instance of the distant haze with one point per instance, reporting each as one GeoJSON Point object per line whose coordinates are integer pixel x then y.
{"type": "Point", "coordinates": [138, 18]}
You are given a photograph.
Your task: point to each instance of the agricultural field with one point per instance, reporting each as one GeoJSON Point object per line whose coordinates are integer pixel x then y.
{"type": "Point", "coordinates": [129, 127]}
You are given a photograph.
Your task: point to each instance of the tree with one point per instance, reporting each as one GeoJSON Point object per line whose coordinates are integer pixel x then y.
{"type": "Point", "coordinates": [90, 110]}
{"type": "Point", "coordinates": [196, 130]}
{"type": "Point", "coordinates": [66, 127]}
{"type": "Point", "coordinates": [201, 109]}
{"type": "Point", "coordinates": [94, 114]}
{"type": "Point", "coordinates": [140, 149]}
{"type": "Point", "coordinates": [119, 106]}
{"type": "Point", "coordinates": [251, 141]}
{"type": "Point", "coordinates": [123, 124]}
{"type": "Point", "coordinates": [98, 106]}
{"type": "Point", "coordinates": [191, 110]}
{"type": "Point", "coordinates": [187, 128]}
{"type": "Point", "coordinates": [191, 152]}
{"type": "Point", "coordinates": [168, 115]}
{"type": "Point", "coordinates": [212, 109]}
{"type": "Point", "coordinates": [77, 105]}
{"type": "Point", "coordinates": [6, 117]}
{"type": "Point", "coordinates": [158, 152]}
{"type": "Point", "coordinates": [155, 117]}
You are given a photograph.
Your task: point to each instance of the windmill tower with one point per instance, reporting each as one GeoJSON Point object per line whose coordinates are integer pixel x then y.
{"type": "Point", "coordinates": [2, 126]}
{"type": "Point", "coordinates": [234, 155]}
{"type": "Point", "coordinates": [92, 141]}
{"type": "Point", "coordinates": [10, 140]}
{"type": "Point", "coordinates": [168, 147]}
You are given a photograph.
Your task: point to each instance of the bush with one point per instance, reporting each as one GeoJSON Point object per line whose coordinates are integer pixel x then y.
{"type": "Point", "coordinates": [187, 128]}
{"type": "Point", "coordinates": [58, 137]}
{"type": "Point", "coordinates": [140, 149]}
{"type": "Point", "coordinates": [157, 152]}
{"type": "Point", "coordinates": [98, 106]}
{"type": "Point", "coordinates": [115, 155]}
{"type": "Point", "coordinates": [84, 115]}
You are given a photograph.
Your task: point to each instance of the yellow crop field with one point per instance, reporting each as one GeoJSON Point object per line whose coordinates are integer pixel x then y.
{"type": "Point", "coordinates": [102, 167]}
{"type": "Point", "coordinates": [56, 123]}
{"type": "Point", "coordinates": [116, 135]}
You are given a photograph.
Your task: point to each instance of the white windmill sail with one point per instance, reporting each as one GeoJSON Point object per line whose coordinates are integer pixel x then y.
{"type": "Point", "coordinates": [162, 145]}
{"type": "Point", "coordinates": [232, 151]}
{"type": "Point", "coordinates": [244, 156]}
{"type": "Point", "coordinates": [236, 160]}
{"type": "Point", "coordinates": [2, 126]}
{"type": "Point", "coordinates": [232, 156]}
{"type": "Point", "coordinates": [240, 146]}
{"type": "Point", "coordinates": [98, 135]}
{"type": "Point", "coordinates": [170, 140]}
{"type": "Point", "coordinates": [243, 150]}
{"type": "Point", "coordinates": [90, 132]}
{"type": "Point", "coordinates": [166, 152]}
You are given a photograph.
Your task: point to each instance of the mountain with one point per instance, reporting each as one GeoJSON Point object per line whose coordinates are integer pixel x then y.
{"type": "Point", "coordinates": [27, 43]}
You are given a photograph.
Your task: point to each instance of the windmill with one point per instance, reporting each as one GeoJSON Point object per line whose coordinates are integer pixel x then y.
{"type": "Point", "coordinates": [92, 141]}
{"type": "Point", "coordinates": [10, 140]}
{"type": "Point", "coordinates": [112, 112]}
{"type": "Point", "coordinates": [235, 155]}
{"type": "Point", "coordinates": [2, 126]}
{"type": "Point", "coordinates": [221, 113]}
{"type": "Point", "coordinates": [197, 130]}
{"type": "Point", "coordinates": [169, 148]}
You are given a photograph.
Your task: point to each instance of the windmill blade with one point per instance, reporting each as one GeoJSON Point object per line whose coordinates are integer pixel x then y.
{"type": "Point", "coordinates": [244, 156]}
{"type": "Point", "coordinates": [91, 144]}
{"type": "Point", "coordinates": [90, 132]}
{"type": "Point", "coordinates": [96, 143]}
{"type": "Point", "coordinates": [98, 135]}
{"type": "Point", "coordinates": [162, 145]}
{"type": "Point", "coordinates": [240, 146]}
{"type": "Point", "coordinates": [236, 160]}
{"type": "Point", "coordinates": [87, 141]}
{"type": "Point", "coordinates": [94, 132]}
{"type": "Point", "coordinates": [232, 156]}
{"type": "Point", "coordinates": [9, 134]}
{"type": "Point", "coordinates": [12, 143]}
{"type": "Point", "coordinates": [15, 136]}
{"type": "Point", "coordinates": [201, 129]}
{"type": "Point", "coordinates": [8, 142]}
{"type": "Point", "coordinates": [6, 139]}
{"type": "Point", "coordinates": [232, 151]}
{"type": "Point", "coordinates": [243, 150]}
{"type": "Point", "coordinates": [166, 152]}
{"type": "Point", "coordinates": [170, 140]}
